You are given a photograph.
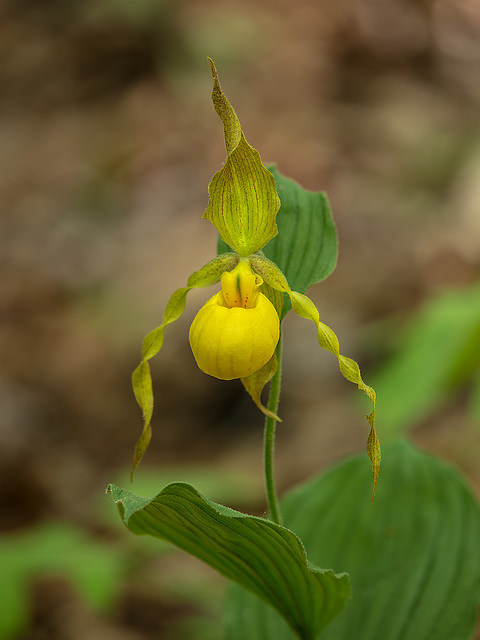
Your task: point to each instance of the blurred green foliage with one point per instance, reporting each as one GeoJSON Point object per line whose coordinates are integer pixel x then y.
{"type": "Point", "coordinates": [55, 548]}
{"type": "Point", "coordinates": [99, 568]}
{"type": "Point", "coordinates": [412, 554]}
{"type": "Point", "coordinates": [437, 355]}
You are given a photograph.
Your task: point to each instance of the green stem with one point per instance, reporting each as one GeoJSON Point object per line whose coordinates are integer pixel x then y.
{"type": "Point", "coordinates": [269, 441]}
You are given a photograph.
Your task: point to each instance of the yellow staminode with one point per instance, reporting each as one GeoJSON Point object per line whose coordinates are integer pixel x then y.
{"type": "Point", "coordinates": [236, 332]}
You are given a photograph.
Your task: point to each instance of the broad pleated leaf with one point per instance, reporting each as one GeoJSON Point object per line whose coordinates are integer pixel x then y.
{"type": "Point", "coordinates": [413, 554]}
{"type": "Point", "coordinates": [306, 246]}
{"type": "Point", "coordinates": [208, 275]}
{"type": "Point", "coordinates": [263, 557]}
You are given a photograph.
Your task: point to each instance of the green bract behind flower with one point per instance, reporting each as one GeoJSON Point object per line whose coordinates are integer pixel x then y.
{"type": "Point", "coordinates": [243, 200]}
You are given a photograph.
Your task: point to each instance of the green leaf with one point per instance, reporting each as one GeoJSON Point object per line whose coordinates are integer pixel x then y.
{"type": "Point", "coordinates": [243, 200]}
{"type": "Point", "coordinates": [412, 554]}
{"type": "Point", "coordinates": [260, 555]}
{"type": "Point", "coordinates": [439, 352]}
{"type": "Point", "coordinates": [306, 246]}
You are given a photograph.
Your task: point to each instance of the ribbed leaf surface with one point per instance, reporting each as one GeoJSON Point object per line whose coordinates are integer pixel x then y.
{"type": "Point", "coordinates": [263, 557]}
{"type": "Point", "coordinates": [306, 246]}
{"type": "Point", "coordinates": [412, 554]}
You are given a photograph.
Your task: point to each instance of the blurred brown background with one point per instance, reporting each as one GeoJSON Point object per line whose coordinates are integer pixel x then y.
{"type": "Point", "coordinates": [108, 140]}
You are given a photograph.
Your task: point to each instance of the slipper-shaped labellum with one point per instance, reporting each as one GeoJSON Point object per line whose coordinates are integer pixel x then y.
{"type": "Point", "coordinates": [235, 333]}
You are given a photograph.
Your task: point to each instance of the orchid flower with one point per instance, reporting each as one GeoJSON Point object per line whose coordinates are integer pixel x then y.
{"type": "Point", "coordinates": [236, 334]}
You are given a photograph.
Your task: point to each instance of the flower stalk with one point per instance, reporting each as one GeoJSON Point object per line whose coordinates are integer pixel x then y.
{"type": "Point", "coordinates": [273, 502]}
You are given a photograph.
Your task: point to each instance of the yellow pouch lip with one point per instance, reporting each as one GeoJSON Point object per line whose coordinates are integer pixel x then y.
{"type": "Point", "coordinates": [234, 342]}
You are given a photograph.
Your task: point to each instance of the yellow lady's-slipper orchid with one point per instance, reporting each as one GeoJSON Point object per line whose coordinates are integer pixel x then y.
{"type": "Point", "coordinates": [236, 332]}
